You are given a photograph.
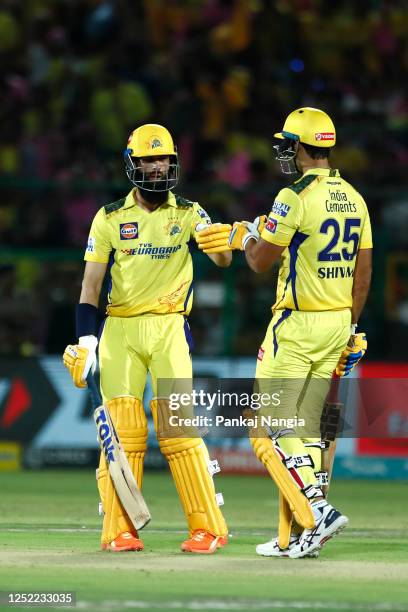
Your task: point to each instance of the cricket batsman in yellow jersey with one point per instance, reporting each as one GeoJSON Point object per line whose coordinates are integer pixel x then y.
{"type": "Point", "coordinates": [319, 227]}
{"type": "Point", "coordinates": [144, 239]}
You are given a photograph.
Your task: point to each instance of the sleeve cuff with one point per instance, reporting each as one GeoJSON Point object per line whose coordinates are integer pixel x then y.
{"type": "Point", "coordinates": [273, 240]}
{"type": "Point", "coordinates": [96, 258]}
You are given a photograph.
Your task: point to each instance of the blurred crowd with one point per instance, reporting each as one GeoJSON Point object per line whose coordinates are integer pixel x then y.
{"type": "Point", "coordinates": [78, 75]}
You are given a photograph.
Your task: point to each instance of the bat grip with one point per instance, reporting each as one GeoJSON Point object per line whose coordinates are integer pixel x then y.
{"type": "Point", "coordinates": [333, 394]}
{"type": "Point", "coordinates": [94, 393]}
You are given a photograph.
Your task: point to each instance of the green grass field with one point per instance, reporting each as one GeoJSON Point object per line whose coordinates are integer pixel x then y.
{"type": "Point", "coordinates": [50, 542]}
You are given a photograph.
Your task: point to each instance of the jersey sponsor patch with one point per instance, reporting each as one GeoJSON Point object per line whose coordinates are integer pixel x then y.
{"type": "Point", "coordinates": [271, 225]}
{"type": "Point", "coordinates": [280, 208]}
{"type": "Point", "coordinates": [324, 136]}
{"type": "Point", "coordinates": [203, 215]}
{"type": "Point", "coordinates": [90, 247]}
{"type": "Point", "coordinates": [129, 231]}
{"type": "Point", "coordinates": [154, 252]}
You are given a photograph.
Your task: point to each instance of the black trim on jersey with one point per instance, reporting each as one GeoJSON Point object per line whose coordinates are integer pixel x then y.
{"type": "Point", "coordinates": [110, 208]}
{"type": "Point", "coordinates": [303, 183]}
{"type": "Point", "coordinates": [183, 202]}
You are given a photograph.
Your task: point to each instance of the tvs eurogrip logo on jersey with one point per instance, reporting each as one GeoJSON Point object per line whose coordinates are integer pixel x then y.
{"type": "Point", "coordinates": [129, 231]}
{"type": "Point", "coordinates": [324, 136]}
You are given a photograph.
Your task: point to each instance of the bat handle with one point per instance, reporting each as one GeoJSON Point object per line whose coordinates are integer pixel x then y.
{"type": "Point", "coordinates": [333, 395]}
{"type": "Point", "coordinates": [94, 393]}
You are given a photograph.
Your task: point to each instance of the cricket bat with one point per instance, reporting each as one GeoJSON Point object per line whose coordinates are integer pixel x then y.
{"type": "Point", "coordinates": [329, 428]}
{"type": "Point", "coordinates": [122, 476]}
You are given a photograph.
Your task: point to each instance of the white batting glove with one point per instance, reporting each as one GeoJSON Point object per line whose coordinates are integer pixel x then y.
{"type": "Point", "coordinates": [244, 231]}
{"type": "Point", "coordinates": [256, 226]}
{"type": "Point", "coordinates": [90, 343]}
{"type": "Point", "coordinates": [80, 359]}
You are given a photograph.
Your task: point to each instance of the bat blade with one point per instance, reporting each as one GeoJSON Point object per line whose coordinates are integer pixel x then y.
{"type": "Point", "coordinates": [122, 476]}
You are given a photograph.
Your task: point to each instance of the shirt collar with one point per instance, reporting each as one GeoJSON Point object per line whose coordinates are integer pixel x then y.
{"type": "Point", "coordinates": [322, 172]}
{"type": "Point", "coordinates": [130, 200]}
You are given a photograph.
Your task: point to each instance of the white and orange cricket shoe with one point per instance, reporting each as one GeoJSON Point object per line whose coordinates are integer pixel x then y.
{"type": "Point", "coordinates": [125, 541]}
{"type": "Point", "coordinates": [203, 542]}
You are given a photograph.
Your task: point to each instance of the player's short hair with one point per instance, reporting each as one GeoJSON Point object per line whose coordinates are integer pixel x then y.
{"type": "Point", "coordinates": [316, 152]}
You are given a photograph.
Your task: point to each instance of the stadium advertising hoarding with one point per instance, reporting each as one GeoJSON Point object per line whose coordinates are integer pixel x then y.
{"type": "Point", "coordinates": [43, 412]}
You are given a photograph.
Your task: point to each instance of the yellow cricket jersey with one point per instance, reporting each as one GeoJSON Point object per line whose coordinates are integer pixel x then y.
{"type": "Point", "coordinates": [323, 221]}
{"type": "Point", "coordinates": [150, 263]}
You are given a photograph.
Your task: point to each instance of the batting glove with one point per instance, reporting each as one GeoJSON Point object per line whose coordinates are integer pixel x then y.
{"type": "Point", "coordinates": [354, 351]}
{"type": "Point", "coordinates": [244, 231]}
{"type": "Point", "coordinates": [214, 238]}
{"type": "Point", "coordinates": [80, 359]}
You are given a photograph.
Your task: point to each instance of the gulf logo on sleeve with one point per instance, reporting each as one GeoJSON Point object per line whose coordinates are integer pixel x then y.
{"type": "Point", "coordinates": [271, 225]}
{"type": "Point", "coordinates": [128, 231]}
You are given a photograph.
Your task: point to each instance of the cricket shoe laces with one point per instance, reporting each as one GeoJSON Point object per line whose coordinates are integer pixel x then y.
{"type": "Point", "coordinates": [329, 522]}
{"type": "Point", "coordinates": [124, 542]}
{"type": "Point", "coordinates": [272, 549]}
{"type": "Point", "coordinates": [203, 542]}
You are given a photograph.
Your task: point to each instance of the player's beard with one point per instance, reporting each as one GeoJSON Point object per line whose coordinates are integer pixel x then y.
{"type": "Point", "coordinates": [154, 197]}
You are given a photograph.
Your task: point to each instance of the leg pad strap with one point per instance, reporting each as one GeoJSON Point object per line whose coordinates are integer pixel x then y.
{"type": "Point", "coordinates": [268, 454]}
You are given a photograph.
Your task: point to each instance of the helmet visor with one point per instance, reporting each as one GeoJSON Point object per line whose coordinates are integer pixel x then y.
{"type": "Point", "coordinates": [151, 180]}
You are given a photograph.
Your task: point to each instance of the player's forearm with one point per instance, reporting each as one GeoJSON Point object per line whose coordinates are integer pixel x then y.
{"type": "Point", "coordinates": [250, 255]}
{"type": "Point", "coordinates": [92, 283]}
{"type": "Point", "coordinates": [86, 312]}
{"type": "Point", "coordinates": [222, 260]}
{"type": "Point", "coordinates": [89, 295]}
{"type": "Point", "coordinates": [91, 289]}
{"type": "Point", "coordinates": [254, 260]}
{"type": "Point", "coordinates": [361, 284]}
{"type": "Point", "coordinates": [360, 294]}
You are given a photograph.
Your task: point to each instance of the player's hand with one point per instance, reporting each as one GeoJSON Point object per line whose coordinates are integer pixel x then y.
{"type": "Point", "coordinates": [354, 351]}
{"type": "Point", "coordinates": [257, 225]}
{"type": "Point", "coordinates": [80, 359]}
{"type": "Point", "coordinates": [214, 238]}
{"type": "Point", "coordinates": [244, 231]}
